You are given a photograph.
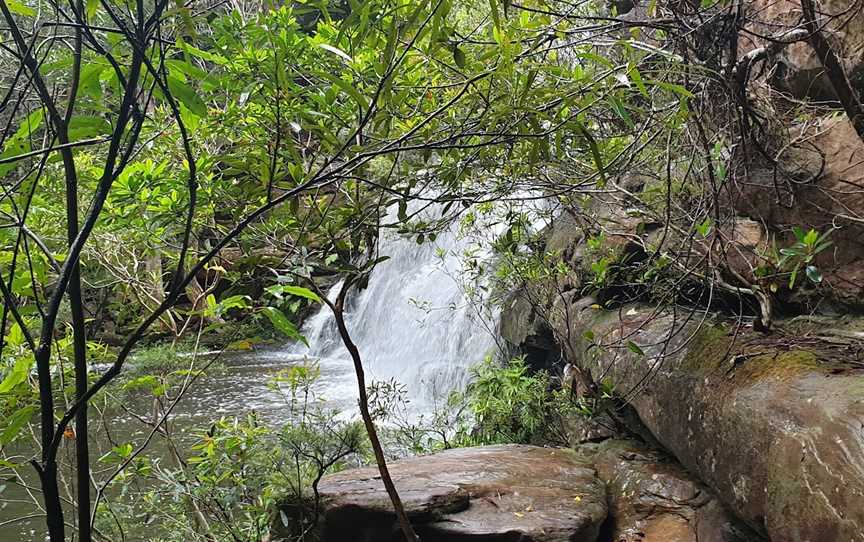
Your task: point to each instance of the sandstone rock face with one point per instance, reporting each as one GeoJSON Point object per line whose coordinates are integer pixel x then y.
{"type": "Point", "coordinates": [494, 493]}
{"type": "Point", "coordinates": [830, 194]}
{"type": "Point", "coordinates": [531, 494]}
{"type": "Point", "coordinates": [652, 499]}
{"type": "Point", "coordinates": [773, 424]}
{"type": "Point", "coordinates": [798, 69]}
{"type": "Point", "coordinates": [814, 179]}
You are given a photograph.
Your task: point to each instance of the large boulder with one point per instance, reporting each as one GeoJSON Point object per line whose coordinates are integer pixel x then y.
{"type": "Point", "coordinates": [494, 493]}
{"type": "Point", "coordinates": [652, 499]}
{"type": "Point", "coordinates": [773, 424]}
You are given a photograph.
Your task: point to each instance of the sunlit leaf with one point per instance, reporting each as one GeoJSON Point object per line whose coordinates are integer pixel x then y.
{"type": "Point", "coordinates": [336, 51]}
{"type": "Point", "coordinates": [20, 9]}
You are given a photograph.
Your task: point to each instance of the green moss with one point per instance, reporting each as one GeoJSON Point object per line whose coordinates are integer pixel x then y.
{"type": "Point", "coordinates": [711, 349]}
{"type": "Point", "coordinates": [780, 365]}
{"type": "Point", "coordinates": [707, 349]}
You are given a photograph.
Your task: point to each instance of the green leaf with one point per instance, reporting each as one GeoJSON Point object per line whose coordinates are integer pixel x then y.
{"type": "Point", "coordinates": [234, 302]}
{"type": "Point", "coordinates": [282, 289]}
{"type": "Point", "coordinates": [16, 335]}
{"type": "Point", "coordinates": [187, 96]}
{"type": "Point", "coordinates": [636, 77]}
{"type": "Point", "coordinates": [89, 84]}
{"type": "Point", "coordinates": [17, 375]}
{"type": "Point", "coordinates": [336, 51]}
{"type": "Point", "coordinates": [595, 150]}
{"type": "Point", "coordinates": [496, 18]}
{"type": "Point", "coordinates": [206, 55]}
{"type": "Point", "coordinates": [794, 276]}
{"type": "Point", "coordinates": [814, 274]}
{"type": "Point", "coordinates": [284, 325]}
{"type": "Point", "coordinates": [677, 89]}
{"type": "Point", "coordinates": [635, 348]}
{"type": "Point", "coordinates": [798, 232]}
{"type": "Point", "coordinates": [16, 422]}
{"type": "Point", "coordinates": [346, 87]}
{"type": "Point", "coordinates": [621, 111]}
{"type": "Point", "coordinates": [459, 57]}
{"type": "Point", "coordinates": [181, 68]}
{"type": "Point", "coordinates": [811, 237]}
{"type": "Point", "coordinates": [83, 127]}
{"type": "Point", "coordinates": [117, 454]}
{"type": "Point", "coordinates": [20, 9]}
{"type": "Point", "coordinates": [29, 125]}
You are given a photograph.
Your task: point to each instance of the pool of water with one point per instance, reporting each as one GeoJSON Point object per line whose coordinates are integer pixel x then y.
{"type": "Point", "coordinates": [238, 384]}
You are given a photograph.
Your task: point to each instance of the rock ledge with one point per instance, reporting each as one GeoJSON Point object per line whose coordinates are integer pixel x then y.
{"type": "Point", "coordinates": [503, 493]}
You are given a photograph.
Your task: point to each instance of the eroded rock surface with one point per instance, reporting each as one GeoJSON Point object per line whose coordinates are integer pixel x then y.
{"type": "Point", "coordinates": [493, 493]}
{"type": "Point", "coordinates": [774, 425]}
{"type": "Point", "coordinates": [799, 70]}
{"type": "Point", "coordinates": [652, 499]}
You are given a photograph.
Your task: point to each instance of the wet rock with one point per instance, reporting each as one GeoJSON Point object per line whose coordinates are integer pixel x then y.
{"type": "Point", "coordinates": [773, 424]}
{"type": "Point", "coordinates": [493, 493]}
{"type": "Point", "coordinates": [831, 162]}
{"type": "Point", "coordinates": [526, 332]}
{"type": "Point", "coordinates": [652, 499]}
{"type": "Point", "coordinates": [797, 68]}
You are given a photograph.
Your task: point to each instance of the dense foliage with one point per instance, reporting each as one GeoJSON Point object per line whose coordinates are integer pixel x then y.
{"type": "Point", "coordinates": [170, 170]}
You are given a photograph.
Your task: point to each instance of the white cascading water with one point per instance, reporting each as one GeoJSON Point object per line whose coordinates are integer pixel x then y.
{"type": "Point", "coordinates": [412, 323]}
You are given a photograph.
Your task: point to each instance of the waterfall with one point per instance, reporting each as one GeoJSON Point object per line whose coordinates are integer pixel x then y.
{"type": "Point", "coordinates": [412, 323]}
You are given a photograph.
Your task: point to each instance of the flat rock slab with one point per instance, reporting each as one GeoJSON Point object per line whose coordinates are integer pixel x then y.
{"type": "Point", "coordinates": [493, 493]}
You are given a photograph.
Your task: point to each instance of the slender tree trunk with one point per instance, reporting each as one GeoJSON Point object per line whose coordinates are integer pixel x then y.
{"type": "Point", "coordinates": [51, 495]}
{"type": "Point", "coordinates": [76, 304]}
{"type": "Point", "coordinates": [82, 446]}
{"type": "Point", "coordinates": [833, 68]}
{"type": "Point", "coordinates": [338, 313]}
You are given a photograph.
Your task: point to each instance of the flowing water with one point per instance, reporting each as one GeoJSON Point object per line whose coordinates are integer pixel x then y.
{"type": "Point", "coordinates": [412, 323]}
